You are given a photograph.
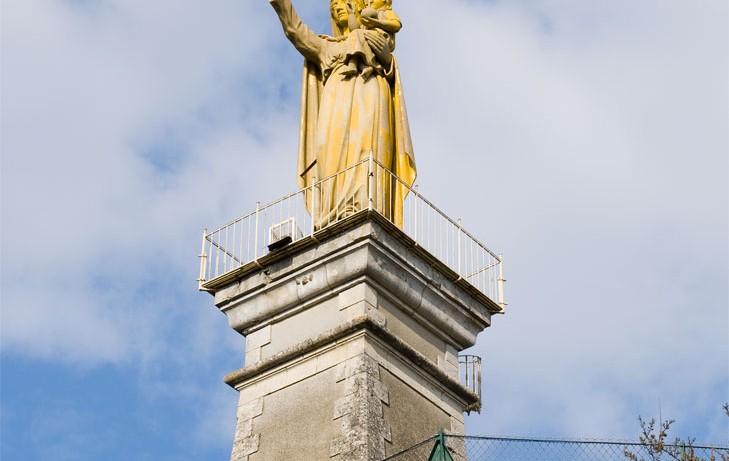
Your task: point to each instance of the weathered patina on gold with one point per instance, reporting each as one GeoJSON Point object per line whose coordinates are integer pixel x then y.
{"type": "Point", "coordinates": [352, 106]}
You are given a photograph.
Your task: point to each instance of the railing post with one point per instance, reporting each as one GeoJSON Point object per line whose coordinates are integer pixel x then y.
{"type": "Point", "coordinates": [458, 237]}
{"type": "Point", "coordinates": [478, 377]}
{"type": "Point", "coordinates": [370, 178]}
{"type": "Point", "coordinates": [255, 238]}
{"type": "Point", "coordinates": [314, 186]}
{"type": "Point", "coordinates": [203, 261]}
{"type": "Point", "coordinates": [415, 217]}
{"type": "Point", "coordinates": [501, 281]}
{"type": "Point", "coordinates": [467, 366]}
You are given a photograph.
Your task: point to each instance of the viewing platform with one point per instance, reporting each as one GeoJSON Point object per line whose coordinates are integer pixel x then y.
{"type": "Point", "coordinates": [260, 236]}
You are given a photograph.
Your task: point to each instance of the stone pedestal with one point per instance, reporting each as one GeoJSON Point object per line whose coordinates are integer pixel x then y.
{"type": "Point", "coordinates": [352, 341]}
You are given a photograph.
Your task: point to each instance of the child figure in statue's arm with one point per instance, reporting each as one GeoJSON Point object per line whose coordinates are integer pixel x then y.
{"type": "Point", "coordinates": [377, 16]}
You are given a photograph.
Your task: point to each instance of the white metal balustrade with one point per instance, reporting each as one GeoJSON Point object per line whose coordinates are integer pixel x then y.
{"type": "Point", "coordinates": [289, 219]}
{"type": "Point", "coordinates": [470, 372]}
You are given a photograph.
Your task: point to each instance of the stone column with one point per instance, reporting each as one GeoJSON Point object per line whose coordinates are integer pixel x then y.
{"type": "Point", "coordinates": [352, 342]}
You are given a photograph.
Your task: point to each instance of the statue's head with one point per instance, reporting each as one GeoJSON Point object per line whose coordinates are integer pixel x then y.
{"type": "Point", "coordinates": [338, 10]}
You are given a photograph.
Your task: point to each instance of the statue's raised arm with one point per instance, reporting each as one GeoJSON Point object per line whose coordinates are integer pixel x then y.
{"type": "Point", "coordinates": [304, 39]}
{"type": "Point", "coordinates": [352, 109]}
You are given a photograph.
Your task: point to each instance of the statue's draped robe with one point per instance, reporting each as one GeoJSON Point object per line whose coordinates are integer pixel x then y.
{"type": "Point", "coordinates": [343, 121]}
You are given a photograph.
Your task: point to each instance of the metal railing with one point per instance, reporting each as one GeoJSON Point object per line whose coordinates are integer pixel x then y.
{"type": "Point", "coordinates": [476, 448]}
{"type": "Point", "coordinates": [367, 185]}
{"type": "Point", "coordinates": [470, 372]}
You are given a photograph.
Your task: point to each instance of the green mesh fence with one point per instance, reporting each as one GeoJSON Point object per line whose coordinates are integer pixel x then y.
{"type": "Point", "coordinates": [475, 448]}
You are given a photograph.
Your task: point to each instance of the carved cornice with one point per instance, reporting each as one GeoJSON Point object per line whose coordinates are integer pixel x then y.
{"type": "Point", "coordinates": [369, 325]}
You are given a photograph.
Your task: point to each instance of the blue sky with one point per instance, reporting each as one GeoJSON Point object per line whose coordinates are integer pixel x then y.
{"type": "Point", "coordinates": [586, 141]}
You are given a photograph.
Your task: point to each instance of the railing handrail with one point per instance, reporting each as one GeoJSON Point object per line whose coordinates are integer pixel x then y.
{"type": "Point", "coordinates": [438, 210]}
{"type": "Point", "coordinates": [237, 243]}
{"type": "Point", "coordinates": [293, 194]}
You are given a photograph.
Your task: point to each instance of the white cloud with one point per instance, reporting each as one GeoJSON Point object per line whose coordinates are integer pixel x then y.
{"type": "Point", "coordinates": [113, 115]}
{"type": "Point", "coordinates": [587, 142]}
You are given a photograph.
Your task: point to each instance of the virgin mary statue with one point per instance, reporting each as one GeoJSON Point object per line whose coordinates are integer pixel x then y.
{"type": "Point", "coordinates": [347, 119]}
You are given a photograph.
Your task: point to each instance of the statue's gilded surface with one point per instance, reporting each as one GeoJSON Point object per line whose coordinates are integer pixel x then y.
{"type": "Point", "coordinates": [352, 107]}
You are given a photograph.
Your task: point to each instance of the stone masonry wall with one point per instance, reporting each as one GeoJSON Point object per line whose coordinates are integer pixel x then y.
{"type": "Point", "coordinates": [246, 442]}
{"type": "Point", "coordinates": [360, 410]}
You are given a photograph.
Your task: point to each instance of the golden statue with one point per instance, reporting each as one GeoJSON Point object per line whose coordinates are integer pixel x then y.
{"type": "Point", "coordinates": [352, 109]}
